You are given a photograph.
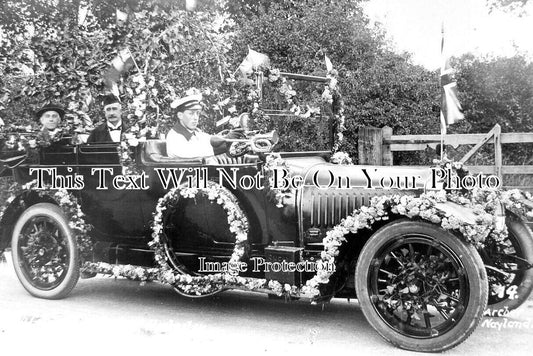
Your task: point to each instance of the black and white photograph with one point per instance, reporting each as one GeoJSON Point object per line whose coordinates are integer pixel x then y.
{"type": "Point", "coordinates": [270, 177]}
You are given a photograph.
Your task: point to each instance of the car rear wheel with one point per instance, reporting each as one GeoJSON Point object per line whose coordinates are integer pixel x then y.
{"type": "Point", "coordinates": [45, 253]}
{"type": "Point", "coordinates": [420, 287]}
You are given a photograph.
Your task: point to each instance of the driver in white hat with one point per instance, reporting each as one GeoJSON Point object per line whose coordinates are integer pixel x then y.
{"type": "Point", "coordinates": [185, 140]}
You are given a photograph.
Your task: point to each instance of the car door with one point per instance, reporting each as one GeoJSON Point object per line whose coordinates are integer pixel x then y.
{"type": "Point", "coordinates": [115, 213]}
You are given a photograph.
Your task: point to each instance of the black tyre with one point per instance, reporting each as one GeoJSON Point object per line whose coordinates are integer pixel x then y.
{"type": "Point", "coordinates": [510, 279]}
{"type": "Point", "coordinates": [420, 287]}
{"type": "Point", "coordinates": [45, 253]}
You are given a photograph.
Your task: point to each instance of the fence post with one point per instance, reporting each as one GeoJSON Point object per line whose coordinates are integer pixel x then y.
{"type": "Point", "coordinates": [387, 153]}
{"type": "Point", "coordinates": [498, 151]}
{"type": "Point", "coordinates": [370, 144]}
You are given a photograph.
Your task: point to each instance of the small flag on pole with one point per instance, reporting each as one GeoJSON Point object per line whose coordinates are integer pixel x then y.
{"type": "Point", "coordinates": [122, 17]}
{"type": "Point", "coordinates": [122, 63]}
{"type": "Point", "coordinates": [190, 5]}
{"type": "Point", "coordinates": [82, 14]}
{"type": "Point", "coordinates": [450, 110]}
{"type": "Point", "coordinates": [254, 60]}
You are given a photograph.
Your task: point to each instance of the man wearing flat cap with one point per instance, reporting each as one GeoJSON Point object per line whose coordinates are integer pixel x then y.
{"type": "Point", "coordinates": [185, 140]}
{"type": "Point", "coordinates": [111, 130]}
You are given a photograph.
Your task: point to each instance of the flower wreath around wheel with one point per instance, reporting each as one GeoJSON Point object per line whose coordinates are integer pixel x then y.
{"type": "Point", "coordinates": [198, 285]}
{"type": "Point", "coordinates": [188, 284]}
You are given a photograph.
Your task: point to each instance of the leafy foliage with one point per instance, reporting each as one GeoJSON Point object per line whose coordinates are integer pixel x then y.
{"type": "Point", "coordinates": [515, 6]}
{"type": "Point", "coordinates": [497, 91]}
{"type": "Point", "coordinates": [48, 53]}
{"type": "Point", "coordinates": [380, 88]}
{"type": "Point", "coordinates": [173, 51]}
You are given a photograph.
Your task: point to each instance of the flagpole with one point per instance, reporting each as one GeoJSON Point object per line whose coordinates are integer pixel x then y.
{"type": "Point", "coordinates": [442, 134]}
{"type": "Point", "coordinates": [133, 59]}
{"type": "Point", "coordinates": [442, 118]}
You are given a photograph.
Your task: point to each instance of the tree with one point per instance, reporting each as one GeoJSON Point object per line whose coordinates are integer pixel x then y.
{"type": "Point", "coordinates": [516, 6]}
{"type": "Point", "coordinates": [173, 51]}
{"type": "Point", "coordinates": [379, 87]}
{"type": "Point", "coordinates": [497, 91]}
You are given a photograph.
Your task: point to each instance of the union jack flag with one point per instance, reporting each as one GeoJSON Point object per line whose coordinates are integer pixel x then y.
{"type": "Point", "coordinates": [450, 109]}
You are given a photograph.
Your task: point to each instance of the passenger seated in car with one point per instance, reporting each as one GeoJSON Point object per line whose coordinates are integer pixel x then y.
{"type": "Point", "coordinates": [112, 129]}
{"type": "Point", "coordinates": [50, 117]}
{"type": "Point", "coordinates": [185, 140]}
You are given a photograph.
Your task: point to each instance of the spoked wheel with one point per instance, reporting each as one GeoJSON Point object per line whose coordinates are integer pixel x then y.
{"type": "Point", "coordinates": [507, 263]}
{"type": "Point", "coordinates": [420, 287]}
{"type": "Point", "coordinates": [45, 254]}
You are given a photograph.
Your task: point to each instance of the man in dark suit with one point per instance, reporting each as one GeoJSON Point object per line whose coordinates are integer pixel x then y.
{"type": "Point", "coordinates": [112, 129]}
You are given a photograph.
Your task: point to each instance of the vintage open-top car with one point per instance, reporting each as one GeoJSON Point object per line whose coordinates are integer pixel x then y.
{"type": "Point", "coordinates": [422, 287]}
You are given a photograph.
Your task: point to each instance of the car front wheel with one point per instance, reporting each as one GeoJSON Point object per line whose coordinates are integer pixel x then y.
{"type": "Point", "coordinates": [508, 267]}
{"type": "Point", "coordinates": [44, 251]}
{"type": "Point", "coordinates": [420, 287]}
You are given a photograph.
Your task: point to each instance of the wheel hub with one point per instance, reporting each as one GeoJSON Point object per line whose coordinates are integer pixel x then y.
{"type": "Point", "coordinates": [44, 255]}
{"type": "Point", "coordinates": [418, 287]}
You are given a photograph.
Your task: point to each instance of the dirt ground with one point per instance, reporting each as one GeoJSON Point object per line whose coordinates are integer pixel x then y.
{"type": "Point", "coordinates": [108, 316]}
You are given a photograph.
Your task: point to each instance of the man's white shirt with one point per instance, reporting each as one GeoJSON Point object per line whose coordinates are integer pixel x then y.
{"type": "Point", "coordinates": [114, 131]}
{"type": "Point", "coordinates": [198, 145]}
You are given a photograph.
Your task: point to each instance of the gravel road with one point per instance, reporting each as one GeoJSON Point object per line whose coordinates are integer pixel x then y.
{"type": "Point", "coordinates": [108, 316]}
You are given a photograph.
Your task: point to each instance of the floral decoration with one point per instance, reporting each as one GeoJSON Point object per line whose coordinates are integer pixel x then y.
{"type": "Point", "coordinates": [341, 157]}
{"type": "Point", "coordinates": [26, 140]}
{"type": "Point", "coordinates": [238, 225]}
{"type": "Point", "coordinates": [333, 96]}
{"type": "Point", "coordinates": [196, 285]}
{"type": "Point", "coordinates": [425, 207]}
{"type": "Point", "coordinates": [69, 206]}
{"type": "Point", "coordinates": [274, 162]}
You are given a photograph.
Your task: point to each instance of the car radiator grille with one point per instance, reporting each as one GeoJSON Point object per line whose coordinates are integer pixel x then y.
{"type": "Point", "coordinates": [321, 210]}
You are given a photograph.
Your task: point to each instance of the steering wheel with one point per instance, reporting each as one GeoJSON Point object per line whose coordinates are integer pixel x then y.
{"type": "Point", "coordinates": [237, 149]}
{"type": "Point", "coordinates": [232, 134]}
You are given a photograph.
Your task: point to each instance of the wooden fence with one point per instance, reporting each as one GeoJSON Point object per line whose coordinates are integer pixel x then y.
{"type": "Point", "coordinates": [376, 146]}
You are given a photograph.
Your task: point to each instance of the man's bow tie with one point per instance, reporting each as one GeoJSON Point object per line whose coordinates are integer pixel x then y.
{"type": "Point", "coordinates": [115, 128]}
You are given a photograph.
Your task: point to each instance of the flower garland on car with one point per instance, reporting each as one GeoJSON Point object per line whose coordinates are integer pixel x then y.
{"type": "Point", "coordinates": [246, 98]}
{"type": "Point", "coordinates": [69, 206]}
{"type": "Point", "coordinates": [513, 200]}
{"type": "Point", "coordinates": [273, 163]}
{"type": "Point", "coordinates": [26, 140]}
{"type": "Point", "coordinates": [238, 225]}
{"type": "Point", "coordinates": [331, 95]}
{"type": "Point", "coordinates": [424, 207]}
{"type": "Point", "coordinates": [341, 157]}
{"type": "Point", "coordinates": [196, 285]}
{"type": "Point", "coordinates": [20, 139]}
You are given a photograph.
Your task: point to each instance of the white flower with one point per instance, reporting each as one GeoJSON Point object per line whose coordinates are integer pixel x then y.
{"type": "Point", "coordinates": [133, 142]}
